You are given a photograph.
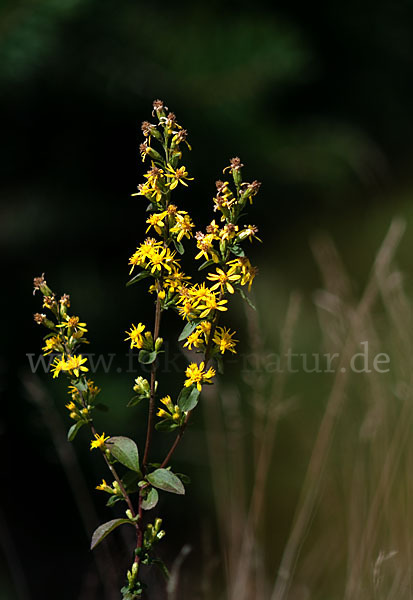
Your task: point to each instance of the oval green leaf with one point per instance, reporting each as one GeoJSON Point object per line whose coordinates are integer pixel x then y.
{"type": "Point", "coordinates": [187, 330]}
{"type": "Point", "coordinates": [138, 277]}
{"type": "Point", "coordinates": [125, 451]}
{"type": "Point", "coordinates": [151, 499]}
{"type": "Point", "coordinates": [146, 358]}
{"type": "Point", "coordinates": [103, 530]}
{"type": "Point", "coordinates": [188, 398]}
{"type": "Point", "coordinates": [166, 481]}
{"type": "Point", "coordinates": [72, 433]}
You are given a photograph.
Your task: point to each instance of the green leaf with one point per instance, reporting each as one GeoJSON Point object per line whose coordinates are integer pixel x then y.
{"type": "Point", "coordinates": [184, 478]}
{"type": "Point", "coordinates": [138, 277]}
{"type": "Point", "coordinates": [179, 246]}
{"type": "Point", "coordinates": [112, 500]}
{"type": "Point", "coordinates": [237, 250]}
{"type": "Point", "coordinates": [146, 358]}
{"type": "Point", "coordinates": [187, 330]}
{"type": "Point", "coordinates": [166, 481]}
{"type": "Point", "coordinates": [103, 530]}
{"type": "Point", "coordinates": [151, 499]}
{"type": "Point", "coordinates": [135, 401]}
{"type": "Point", "coordinates": [188, 398]}
{"type": "Point", "coordinates": [81, 385]}
{"type": "Point", "coordinates": [125, 451]}
{"type": "Point", "coordinates": [245, 297]}
{"type": "Point", "coordinates": [205, 264]}
{"type": "Point", "coordinates": [166, 425]}
{"type": "Point", "coordinates": [72, 433]}
{"type": "Point", "coordinates": [162, 566]}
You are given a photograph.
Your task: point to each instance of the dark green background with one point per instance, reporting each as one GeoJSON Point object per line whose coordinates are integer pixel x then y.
{"type": "Point", "coordinates": [315, 99]}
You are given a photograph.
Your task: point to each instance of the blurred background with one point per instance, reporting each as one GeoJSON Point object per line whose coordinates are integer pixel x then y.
{"type": "Point", "coordinates": [300, 483]}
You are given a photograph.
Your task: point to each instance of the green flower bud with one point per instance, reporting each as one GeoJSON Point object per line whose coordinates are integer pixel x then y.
{"type": "Point", "coordinates": [158, 523]}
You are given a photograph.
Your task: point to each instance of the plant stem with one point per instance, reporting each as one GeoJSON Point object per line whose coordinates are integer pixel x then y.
{"type": "Point", "coordinates": [151, 414]}
{"type": "Point", "coordinates": [207, 358]}
{"type": "Point", "coordinates": [111, 467]}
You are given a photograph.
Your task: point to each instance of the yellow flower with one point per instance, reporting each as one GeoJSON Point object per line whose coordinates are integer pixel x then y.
{"type": "Point", "coordinates": [206, 247]}
{"type": "Point", "coordinates": [211, 304]}
{"type": "Point", "coordinates": [249, 232]}
{"type": "Point", "coordinates": [103, 487]}
{"type": "Point", "coordinates": [143, 253]}
{"type": "Point", "coordinates": [197, 374]}
{"type": "Point", "coordinates": [159, 260]}
{"type": "Point", "coordinates": [177, 176]}
{"type": "Point", "coordinates": [194, 339]}
{"type": "Point", "coordinates": [75, 364]}
{"type": "Point", "coordinates": [166, 400]}
{"type": "Point", "coordinates": [223, 339]}
{"type": "Point", "coordinates": [94, 390]}
{"type": "Point", "coordinates": [243, 267]}
{"type": "Point", "coordinates": [99, 442]}
{"type": "Point", "coordinates": [153, 188]}
{"type": "Point", "coordinates": [175, 279]}
{"type": "Point", "coordinates": [199, 337]}
{"type": "Point", "coordinates": [223, 280]}
{"type": "Point", "coordinates": [70, 406]}
{"type": "Point", "coordinates": [73, 323]}
{"type": "Point", "coordinates": [183, 226]}
{"type": "Point", "coordinates": [135, 336]}
{"type": "Point", "coordinates": [187, 310]}
{"type": "Point", "coordinates": [59, 364]}
{"type": "Point", "coordinates": [228, 232]}
{"type": "Point", "coordinates": [156, 221]}
{"type": "Point", "coordinates": [52, 343]}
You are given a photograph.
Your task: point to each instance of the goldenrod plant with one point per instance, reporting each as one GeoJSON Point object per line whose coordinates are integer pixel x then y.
{"type": "Point", "coordinates": [135, 481]}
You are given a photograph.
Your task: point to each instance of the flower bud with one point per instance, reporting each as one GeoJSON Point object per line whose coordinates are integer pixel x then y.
{"type": "Point", "coordinates": [147, 341]}
{"type": "Point", "coordinates": [129, 513]}
{"type": "Point", "coordinates": [158, 343]}
{"type": "Point", "coordinates": [141, 387]}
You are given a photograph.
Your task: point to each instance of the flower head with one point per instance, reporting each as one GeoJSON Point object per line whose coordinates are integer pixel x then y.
{"type": "Point", "coordinates": [99, 441]}
{"type": "Point", "coordinates": [197, 374]}
{"type": "Point", "coordinates": [58, 365]}
{"type": "Point", "coordinates": [224, 339]}
{"type": "Point", "coordinates": [75, 365]}
{"type": "Point", "coordinates": [135, 335]}
{"type": "Point", "coordinates": [177, 176]}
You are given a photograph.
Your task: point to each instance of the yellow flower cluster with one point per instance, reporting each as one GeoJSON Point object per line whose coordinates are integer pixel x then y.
{"type": "Point", "coordinates": [226, 271]}
{"type": "Point", "coordinates": [198, 302]}
{"type": "Point", "coordinates": [67, 333]}
{"type": "Point", "coordinates": [154, 257]}
{"type": "Point", "coordinates": [222, 338]}
{"type": "Point", "coordinates": [171, 412]}
{"type": "Point", "coordinates": [73, 365]}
